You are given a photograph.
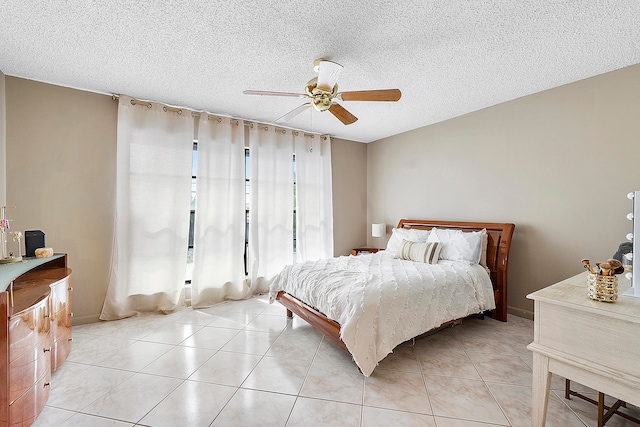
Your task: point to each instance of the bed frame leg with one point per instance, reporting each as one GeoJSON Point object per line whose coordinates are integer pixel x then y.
{"type": "Point", "coordinates": [289, 313]}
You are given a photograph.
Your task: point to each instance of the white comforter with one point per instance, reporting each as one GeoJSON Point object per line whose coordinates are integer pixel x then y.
{"type": "Point", "coordinates": [380, 301]}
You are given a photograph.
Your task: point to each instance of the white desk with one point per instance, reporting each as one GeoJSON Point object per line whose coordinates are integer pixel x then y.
{"type": "Point", "coordinates": [591, 342]}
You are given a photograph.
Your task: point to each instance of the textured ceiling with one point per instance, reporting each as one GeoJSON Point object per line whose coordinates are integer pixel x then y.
{"type": "Point", "coordinates": [447, 57]}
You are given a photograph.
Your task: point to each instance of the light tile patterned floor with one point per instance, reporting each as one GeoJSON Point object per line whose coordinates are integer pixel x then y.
{"type": "Point", "coordinates": [244, 363]}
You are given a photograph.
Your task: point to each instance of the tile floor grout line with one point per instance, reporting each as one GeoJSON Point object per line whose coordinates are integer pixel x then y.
{"type": "Point", "coordinates": [424, 381]}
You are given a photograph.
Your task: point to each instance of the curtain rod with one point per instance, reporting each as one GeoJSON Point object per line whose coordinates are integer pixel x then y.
{"type": "Point", "coordinates": [195, 113]}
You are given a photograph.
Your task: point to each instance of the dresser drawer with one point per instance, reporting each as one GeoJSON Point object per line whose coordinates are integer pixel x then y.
{"type": "Point", "coordinates": [60, 296]}
{"type": "Point", "coordinates": [23, 412]}
{"type": "Point", "coordinates": [28, 368]}
{"type": "Point", "coordinates": [60, 350]}
{"type": "Point", "coordinates": [61, 323]}
{"type": "Point", "coordinates": [28, 328]}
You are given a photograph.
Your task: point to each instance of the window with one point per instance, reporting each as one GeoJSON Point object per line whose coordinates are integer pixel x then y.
{"type": "Point", "coordinates": [192, 217]}
{"type": "Point", "coordinates": [294, 206]}
{"type": "Point", "coordinates": [247, 204]}
{"type": "Point", "coordinates": [247, 201]}
{"type": "Point", "coordinates": [194, 168]}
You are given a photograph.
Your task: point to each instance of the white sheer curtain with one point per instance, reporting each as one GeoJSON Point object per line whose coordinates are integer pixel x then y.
{"type": "Point", "coordinates": [219, 238]}
{"type": "Point", "coordinates": [271, 208]}
{"type": "Point", "coordinates": [314, 214]}
{"type": "Point", "coordinates": [148, 266]}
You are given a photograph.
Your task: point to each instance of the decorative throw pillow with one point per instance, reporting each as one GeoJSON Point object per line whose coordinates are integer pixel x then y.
{"type": "Point", "coordinates": [420, 252]}
{"type": "Point", "coordinates": [458, 245]}
{"type": "Point", "coordinates": [400, 234]}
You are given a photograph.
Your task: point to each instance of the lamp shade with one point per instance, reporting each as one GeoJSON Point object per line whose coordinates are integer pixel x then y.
{"type": "Point", "coordinates": [378, 230]}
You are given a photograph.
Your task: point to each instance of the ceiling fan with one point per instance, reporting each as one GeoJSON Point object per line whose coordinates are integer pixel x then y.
{"type": "Point", "coordinates": [322, 93]}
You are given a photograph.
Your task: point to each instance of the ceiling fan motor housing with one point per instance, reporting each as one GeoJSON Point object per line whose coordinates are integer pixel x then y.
{"type": "Point", "coordinates": [322, 99]}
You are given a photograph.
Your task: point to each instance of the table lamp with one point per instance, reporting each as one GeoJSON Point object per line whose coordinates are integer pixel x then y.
{"type": "Point", "coordinates": [377, 231]}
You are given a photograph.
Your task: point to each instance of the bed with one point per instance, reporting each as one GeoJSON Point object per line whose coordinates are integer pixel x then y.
{"type": "Point", "coordinates": [371, 303]}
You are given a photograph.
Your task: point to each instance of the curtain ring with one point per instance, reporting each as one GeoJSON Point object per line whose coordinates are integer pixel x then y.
{"type": "Point", "coordinates": [136, 102]}
{"type": "Point", "coordinates": [173, 110]}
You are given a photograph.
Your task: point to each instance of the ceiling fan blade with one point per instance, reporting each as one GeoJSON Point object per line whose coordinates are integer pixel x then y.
{"type": "Point", "coordinates": [342, 114]}
{"type": "Point", "coordinates": [291, 114]}
{"type": "Point", "coordinates": [264, 92]}
{"type": "Point", "coordinates": [371, 95]}
{"type": "Point", "coordinates": [328, 73]}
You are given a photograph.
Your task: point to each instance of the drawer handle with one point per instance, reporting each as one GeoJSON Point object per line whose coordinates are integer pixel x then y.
{"type": "Point", "coordinates": [44, 350]}
{"type": "Point", "coordinates": [70, 339]}
{"type": "Point", "coordinates": [70, 288]}
{"type": "Point", "coordinates": [46, 385]}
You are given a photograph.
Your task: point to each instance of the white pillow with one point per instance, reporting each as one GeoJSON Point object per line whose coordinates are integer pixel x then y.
{"type": "Point", "coordinates": [400, 234]}
{"type": "Point", "coordinates": [426, 252]}
{"type": "Point", "coordinates": [458, 245]}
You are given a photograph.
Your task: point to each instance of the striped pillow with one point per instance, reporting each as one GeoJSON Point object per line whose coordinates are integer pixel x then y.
{"type": "Point", "coordinates": [426, 252]}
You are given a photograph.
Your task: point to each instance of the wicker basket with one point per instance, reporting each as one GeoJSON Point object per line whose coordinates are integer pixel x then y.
{"type": "Point", "coordinates": [602, 288]}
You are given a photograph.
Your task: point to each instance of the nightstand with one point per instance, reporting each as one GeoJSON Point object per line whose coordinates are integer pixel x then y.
{"type": "Point", "coordinates": [364, 251]}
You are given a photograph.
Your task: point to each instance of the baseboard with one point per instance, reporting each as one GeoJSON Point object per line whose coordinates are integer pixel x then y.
{"type": "Point", "coordinates": [96, 317]}
{"type": "Point", "coordinates": [85, 319]}
{"type": "Point", "coordinates": [520, 312]}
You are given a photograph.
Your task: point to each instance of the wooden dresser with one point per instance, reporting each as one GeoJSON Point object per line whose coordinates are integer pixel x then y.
{"type": "Point", "coordinates": [35, 334]}
{"type": "Point", "coordinates": [591, 342]}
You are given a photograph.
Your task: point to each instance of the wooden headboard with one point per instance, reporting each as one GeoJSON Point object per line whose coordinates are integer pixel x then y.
{"type": "Point", "coordinates": [498, 245]}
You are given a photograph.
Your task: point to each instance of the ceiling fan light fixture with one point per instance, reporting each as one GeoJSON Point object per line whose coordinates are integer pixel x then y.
{"type": "Point", "coordinates": [316, 64]}
{"type": "Point", "coordinates": [328, 73]}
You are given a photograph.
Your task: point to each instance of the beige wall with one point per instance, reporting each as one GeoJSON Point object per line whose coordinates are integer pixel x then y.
{"type": "Point", "coordinates": [3, 145]}
{"type": "Point", "coordinates": [61, 178]}
{"type": "Point", "coordinates": [61, 146]}
{"type": "Point", "coordinates": [349, 165]}
{"type": "Point", "coordinates": [558, 164]}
